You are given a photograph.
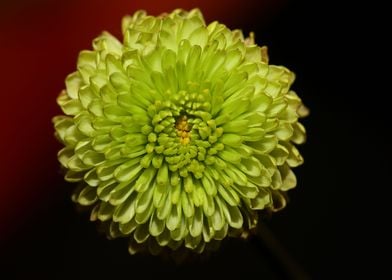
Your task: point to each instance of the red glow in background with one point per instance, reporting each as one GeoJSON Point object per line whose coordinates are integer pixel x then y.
{"type": "Point", "coordinates": [39, 44]}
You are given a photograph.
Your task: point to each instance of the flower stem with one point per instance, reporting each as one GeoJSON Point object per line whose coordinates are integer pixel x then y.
{"type": "Point", "coordinates": [291, 267]}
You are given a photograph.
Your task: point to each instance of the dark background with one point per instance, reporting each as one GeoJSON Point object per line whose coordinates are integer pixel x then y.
{"type": "Point", "coordinates": [41, 233]}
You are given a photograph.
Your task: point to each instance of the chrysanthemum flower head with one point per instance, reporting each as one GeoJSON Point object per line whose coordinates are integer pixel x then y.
{"type": "Point", "coordinates": [181, 133]}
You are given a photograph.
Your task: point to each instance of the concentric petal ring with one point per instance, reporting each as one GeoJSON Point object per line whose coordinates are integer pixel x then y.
{"type": "Point", "coordinates": [181, 133]}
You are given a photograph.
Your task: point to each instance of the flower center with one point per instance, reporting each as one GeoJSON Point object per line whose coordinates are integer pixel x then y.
{"type": "Point", "coordinates": [183, 129]}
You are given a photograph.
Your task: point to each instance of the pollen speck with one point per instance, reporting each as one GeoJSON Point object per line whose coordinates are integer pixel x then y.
{"type": "Point", "coordinates": [183, 130]}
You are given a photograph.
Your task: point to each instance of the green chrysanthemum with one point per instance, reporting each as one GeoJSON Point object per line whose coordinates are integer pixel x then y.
{"type": "Point", "coordinates": [179, 135]}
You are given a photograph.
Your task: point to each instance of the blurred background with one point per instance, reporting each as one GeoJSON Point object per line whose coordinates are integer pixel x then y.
{"type": "Point", "coordinates": [41, 234]}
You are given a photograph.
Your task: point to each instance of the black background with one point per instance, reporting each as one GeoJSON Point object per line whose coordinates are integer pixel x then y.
{"type": "Point", "coordinates": [321, 224]}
